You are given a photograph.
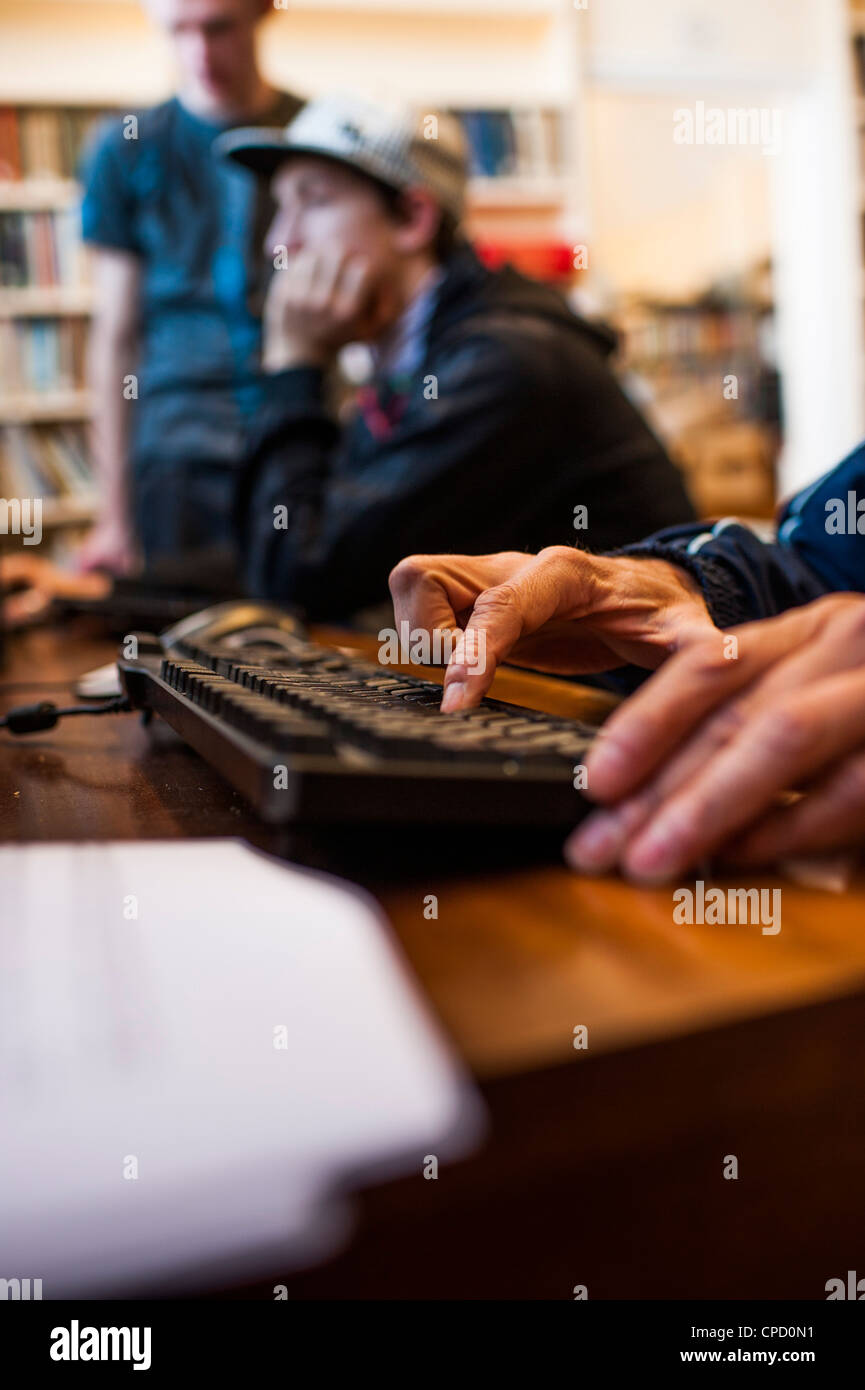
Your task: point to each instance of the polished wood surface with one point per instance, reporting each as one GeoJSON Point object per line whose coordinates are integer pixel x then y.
{"type": "Point", "coordinates": [703, 1040]}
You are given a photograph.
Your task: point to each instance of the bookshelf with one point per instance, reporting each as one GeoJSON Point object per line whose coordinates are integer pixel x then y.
{"type": "Point", "coordinates": [702, 371]}
{"type": "Point", "coordinates": [45, 305]}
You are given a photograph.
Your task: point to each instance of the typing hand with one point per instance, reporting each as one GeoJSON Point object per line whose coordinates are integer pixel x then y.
{"type": "Point", "coordinates": [695, 761]}
{"type": "Point", "coordinates": [562, 610]}
{"type": "Point", "coordinates": [316, 304]}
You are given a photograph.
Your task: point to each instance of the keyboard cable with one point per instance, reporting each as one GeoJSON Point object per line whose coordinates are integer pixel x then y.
{"type": "Point", "coordinates": [31, 719]}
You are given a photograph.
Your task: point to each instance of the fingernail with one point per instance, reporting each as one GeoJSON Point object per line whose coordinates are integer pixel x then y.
{"type": "Point", "coordinates": [593, 847]}
{"type": "Point", "coordinates": [653, 857]}
{"type": "Point", "coordinates": [454, 694]}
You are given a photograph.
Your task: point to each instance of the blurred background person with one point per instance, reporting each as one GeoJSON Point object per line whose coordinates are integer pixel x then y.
{"type": "Point", "coordinates": [174, 352]}
{"type": "Point", "coordinates": [492, 416]}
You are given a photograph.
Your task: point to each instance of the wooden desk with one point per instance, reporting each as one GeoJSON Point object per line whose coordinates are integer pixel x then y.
{"type": "Point", "coordinates": [604, 1166]}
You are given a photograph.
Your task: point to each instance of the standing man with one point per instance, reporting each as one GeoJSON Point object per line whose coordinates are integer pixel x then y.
{"type": "Point", "coordinates": [174, 353]}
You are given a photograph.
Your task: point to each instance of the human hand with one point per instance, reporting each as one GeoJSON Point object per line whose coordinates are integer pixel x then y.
{"type": "Point", "coordinates": [319, 302]}
{"type": "Point", "coordinates": [562, 610]}
{"type": "Point", "coordinates": [110, 545]}
{"type": "Point", "coordinates": [696, 760]}
{"type": "Point", "coordinates": [31, 583]}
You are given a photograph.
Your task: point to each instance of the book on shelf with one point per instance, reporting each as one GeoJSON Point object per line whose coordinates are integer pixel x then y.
{"type": "Point", "coordinates": [41, 355]}
{"type": "Point", "coordinates": [512, 144]}
{"type": "Point", "coordinates": [43, 143]}
{"type": "Point", "coordinates": [41, 249]}
{"type": "Point", "coordinates": [45, 461]}
{"type": "Point", "coordinates": [667, 332]}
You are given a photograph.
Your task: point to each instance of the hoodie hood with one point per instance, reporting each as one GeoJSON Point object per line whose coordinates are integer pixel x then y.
{"type": "Point", "coordinates": [469, 288]}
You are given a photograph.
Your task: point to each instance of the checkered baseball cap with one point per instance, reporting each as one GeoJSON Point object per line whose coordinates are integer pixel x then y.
{"type": "Point", "coordinates": [395, 146]}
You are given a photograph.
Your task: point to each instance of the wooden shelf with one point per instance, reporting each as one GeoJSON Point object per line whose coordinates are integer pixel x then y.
{"type": "Point", "coordinates": [58, 512]}
{"type": "Point", "coordinates": [72, 511]}
{"type": "Point", "coordinates": [37, 195]}
{"type": "Point", "coordinates": [517, 193]}
{"type": "Point", "coordinates": [46, 301]}
{"type": "Point", "coordinates": [34, 407]}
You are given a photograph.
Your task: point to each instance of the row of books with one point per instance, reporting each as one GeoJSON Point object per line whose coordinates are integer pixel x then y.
{"type": "Point", "coordinates": [41, 248]}
{"type": "Point", "coordinates": [664, 332]}
{"type": "Point", "coordinates": [515, 144]}
{"type": "Point", "coordinates": [44, 461]}
{"type": "Point", "coordinates": [37, 142]}
{"type": "Point", "coordinates": [41, 143]}
{"type": "Point", "coordinates": [38, 355]}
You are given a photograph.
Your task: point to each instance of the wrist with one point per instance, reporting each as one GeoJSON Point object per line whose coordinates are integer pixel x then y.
{"type": "Point", "coordinates": [655, 588]}
{"type": "Point", "coordinates": [280, 353]}
{"type": "Point", "coordinates": [676, 578]}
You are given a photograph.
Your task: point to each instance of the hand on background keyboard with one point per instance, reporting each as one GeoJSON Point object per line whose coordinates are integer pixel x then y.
{"type": "Point", "coordinates": [562, 611]}
{"type": "Point", "coordinates": [110, 545]}
{"type": "Point", "coordinates": [29, 583]}
{"type": "Point", "coordinates": [694, 762]}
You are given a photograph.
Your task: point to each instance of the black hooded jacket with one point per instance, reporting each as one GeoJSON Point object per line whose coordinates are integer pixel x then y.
{"type": "Point", "coordinates": [513, 421]}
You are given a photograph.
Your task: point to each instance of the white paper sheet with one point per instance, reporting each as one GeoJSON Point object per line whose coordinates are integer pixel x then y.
{"type": "Point", "coordinates": [238, 1031]}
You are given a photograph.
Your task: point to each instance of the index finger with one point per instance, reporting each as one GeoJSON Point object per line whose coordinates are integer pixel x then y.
{"type": "Point", "coordinates": [537, 592]}
{"type": "Point", "coordinates": [420, 594]}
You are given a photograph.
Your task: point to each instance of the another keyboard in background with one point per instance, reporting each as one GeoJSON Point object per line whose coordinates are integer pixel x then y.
{"type": "Point", "coordinates": [310, 735]}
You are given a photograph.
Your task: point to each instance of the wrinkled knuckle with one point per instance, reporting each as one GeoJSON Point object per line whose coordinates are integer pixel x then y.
{"type": "Point", "coordinates": [405, 576]}
{"type": "Point", "coordinates": [730, 720]}
{"type": "Point", "coordinates": [557, 554]}
{"type": "Point", "coordinates": [786, 731]}
{"type": "Point", "coordinates": [503, 598]}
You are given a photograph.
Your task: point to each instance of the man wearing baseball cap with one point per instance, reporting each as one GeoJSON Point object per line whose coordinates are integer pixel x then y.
{"type": "Point", "coordinates": [491, 415]}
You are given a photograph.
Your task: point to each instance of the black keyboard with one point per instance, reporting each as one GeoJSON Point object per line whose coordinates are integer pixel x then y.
{"type": "Point", "coordinates": [309, 735]}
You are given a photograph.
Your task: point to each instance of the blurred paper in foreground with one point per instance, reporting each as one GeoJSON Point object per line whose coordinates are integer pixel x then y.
{"type": "Point", "coordinates": [200, 1047]}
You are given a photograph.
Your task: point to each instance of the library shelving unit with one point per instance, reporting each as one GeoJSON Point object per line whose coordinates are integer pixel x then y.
{"type": "Point", "coordinates": [45, 303]}
{"type": "Point", "coordinates": [679, 357]}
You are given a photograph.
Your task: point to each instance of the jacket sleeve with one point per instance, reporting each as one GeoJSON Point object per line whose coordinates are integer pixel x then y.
{"type": "Point", "coordinates": [325, 536]}
{"type": "Point", "coordinates": [820, 549]}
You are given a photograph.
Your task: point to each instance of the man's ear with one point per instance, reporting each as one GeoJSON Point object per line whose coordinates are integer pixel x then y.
{"type": "Point", "coordinates": [419, 221]}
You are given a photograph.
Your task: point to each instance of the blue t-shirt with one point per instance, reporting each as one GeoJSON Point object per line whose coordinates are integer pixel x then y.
{"type": "Point", "coordinates": [197, 222]}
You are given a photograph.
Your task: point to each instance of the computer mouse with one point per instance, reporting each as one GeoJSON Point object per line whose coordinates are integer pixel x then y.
{"type": "Point", "coordinates": [239, 622]}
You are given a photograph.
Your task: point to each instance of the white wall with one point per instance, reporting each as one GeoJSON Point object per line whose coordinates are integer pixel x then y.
{"type": "Point", "coordinates": [790, 54]}
{"type": "Point", "coordinates": [668, 219]}
{"type": "Point", "coordinates": [819, 282]}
